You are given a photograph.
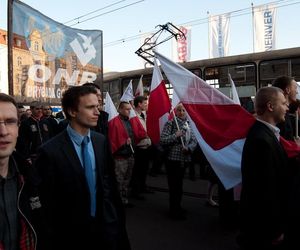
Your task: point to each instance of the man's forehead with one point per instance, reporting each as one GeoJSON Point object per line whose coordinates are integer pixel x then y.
{"type": "Point", "coordinates": [8, 108]}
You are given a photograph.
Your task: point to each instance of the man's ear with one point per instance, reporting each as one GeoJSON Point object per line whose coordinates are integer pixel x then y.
{"type": "Point", "coordinates": [270, 106]}
{"type": "Point", "coordinates": [72, 112]}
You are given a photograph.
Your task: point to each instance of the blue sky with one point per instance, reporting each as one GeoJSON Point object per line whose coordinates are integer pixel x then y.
{"type": "Point", "coordinates": [144, 16]}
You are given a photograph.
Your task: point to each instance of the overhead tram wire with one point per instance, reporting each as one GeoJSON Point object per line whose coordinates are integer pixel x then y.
{"type": "Point", "coordinates": [204, 20]}
{"type": "Point", "coordinates": [94, 11]}
{"type": "Point", "coordinates": [125, 6]}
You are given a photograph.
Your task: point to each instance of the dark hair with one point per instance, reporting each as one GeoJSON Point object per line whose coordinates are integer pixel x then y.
{"type": "Point", "coordinates": [122, 104]}
{"type": "Point", "coordinates": [35, 104]}
{"type": "Point", "coordinates": [264, 96]}
{"type": "Point", "coordinates": [91, 84]}
{"type": "Point", "coordinates": [282, 82]}
{"type": "Point", "coordinates": [138, 100]}
{"type": "Point", "coordinates": [8, 98]}
{"type": "Point", "coordinates": [294, 106]}
{"type": "Point", "coordinates": [70, 99]}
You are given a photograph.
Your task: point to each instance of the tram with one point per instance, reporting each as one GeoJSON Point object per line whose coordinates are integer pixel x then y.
{"type": "Point", "coordinates": [248, 71]}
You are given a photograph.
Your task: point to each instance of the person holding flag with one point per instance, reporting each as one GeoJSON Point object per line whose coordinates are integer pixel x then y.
{"type": "Point", "coordinates": [142, 150]}
{"type": "Point", "coordinates": [180, 140]}
{"type": "Point", "coordinates": [123, 156]}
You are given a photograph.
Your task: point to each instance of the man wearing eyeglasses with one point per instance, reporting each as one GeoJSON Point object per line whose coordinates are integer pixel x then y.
{"type": "Point", "coordinates": [33, 132]}
{"type": "Point", "coordinates": [19, 202]}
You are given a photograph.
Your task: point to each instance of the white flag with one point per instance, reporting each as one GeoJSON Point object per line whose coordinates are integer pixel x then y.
{"type": "Point", "coordinates": [235, 96]}
{"type": "Point", "coordinates": [110, 108]}
{"type": "Point", "coordinates": [181, 48]}
{"type": "Point", "coordinates": [140, 88]}
{"type": "Point", "coordinates": [219, 35]}
{"type": "Point", "coordinates": [128, 93]}
{"type": "Point", "coordinates": [264, 27]}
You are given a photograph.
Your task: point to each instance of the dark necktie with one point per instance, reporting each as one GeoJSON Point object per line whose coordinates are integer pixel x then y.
{"type": "Point", "coordinates": [88, 170]}
{"type": "Point", "coordinates": [143, 116]}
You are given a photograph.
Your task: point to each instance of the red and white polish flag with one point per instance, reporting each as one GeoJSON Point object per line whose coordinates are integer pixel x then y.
{"type": "Point", "coordinates": [159, 106]}
{"type": "Point", "coordinates": [219, 124]}
{"type": "Point", "coordinates": [117, 133]}
{"type": "Point", "coordinates": [138, 130]}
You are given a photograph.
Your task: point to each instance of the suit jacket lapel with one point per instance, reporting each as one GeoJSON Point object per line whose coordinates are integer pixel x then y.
{"type": "Point", "coordinates": [70, 153]}
{"type": "Point", "coordinates": [277, 142]}
{"type": "Point", "coordinates": [98, 156]}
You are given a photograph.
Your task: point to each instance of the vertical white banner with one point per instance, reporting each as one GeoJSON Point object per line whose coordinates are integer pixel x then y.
{"type": "Point", "coordinates": [264, 23]}
{"type": "Point", "coordinates": [181, 48]}
{"type": "Point", "coordinates": [219, 35]}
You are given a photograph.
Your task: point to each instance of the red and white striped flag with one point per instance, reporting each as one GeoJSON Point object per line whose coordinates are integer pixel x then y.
{"type": "Point", "coordinates": [159, 105]}
{"type": "Point", "coordinates": [219, 124]}
{"type": "Point", "coordinates": [117, 133]}
{"type": "Point", "coordinates": [138, 130]}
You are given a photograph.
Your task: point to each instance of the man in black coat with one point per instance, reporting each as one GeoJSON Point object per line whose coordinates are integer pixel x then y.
{"type": "Point", "coordinates": [264, 175]}
{"type": "Point", "coordinates": [82, 212]}
{"type": "Point", "coordinates": [21, 223]}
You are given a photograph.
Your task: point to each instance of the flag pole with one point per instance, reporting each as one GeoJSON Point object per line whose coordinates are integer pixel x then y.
{"type": "Point", "coordinates": [253, 28]}
{"type": "Point", "coordinates": [296, 125]}
{"type": "Point", "coordinates": [130, 145]}
{"type": "Point", "coordinates": [181, 139]}
{"type": "Point", "coordinates": [209, 34]}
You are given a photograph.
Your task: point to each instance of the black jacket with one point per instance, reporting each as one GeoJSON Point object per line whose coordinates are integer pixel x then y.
{"type": "Point", "coordinates": [32, 223]}
{"type": "Point", "coordinates": [264, 188]}
{"type": "Point", "coordinates": [65, 196]}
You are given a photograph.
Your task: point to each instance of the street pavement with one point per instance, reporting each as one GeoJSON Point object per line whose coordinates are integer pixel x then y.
{"type": "Point", "coordinates": [150, 228]}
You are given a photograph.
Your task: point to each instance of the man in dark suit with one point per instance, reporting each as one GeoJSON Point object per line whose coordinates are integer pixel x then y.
{"type": "Point", "coordinates": [78, 189]}
{"type": "Point", "coordinates": [264, 175]}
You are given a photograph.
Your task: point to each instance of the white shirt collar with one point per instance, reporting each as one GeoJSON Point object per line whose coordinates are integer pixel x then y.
{"type": "Point", "coordinates": [274, 129]}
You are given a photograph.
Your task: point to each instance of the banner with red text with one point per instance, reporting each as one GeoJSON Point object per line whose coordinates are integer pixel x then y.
{"type": "Point", "coordinates": [181, 48]}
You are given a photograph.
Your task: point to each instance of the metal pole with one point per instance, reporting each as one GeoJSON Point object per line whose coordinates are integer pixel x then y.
{"type": "Point", "coordinates": [253, 28]}
{"type": "Point", "coordinates": [10, 46]}
{"type": "Point", "coordinates": [296, 125]}
{"type": "Point", "coordinates": [209, 35]}
{"type": "Point", "coordinates": [175, 119]}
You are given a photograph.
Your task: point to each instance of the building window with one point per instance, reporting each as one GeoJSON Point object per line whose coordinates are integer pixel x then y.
{"type": "Point", "coordinates": [36, 46]}
{"type": "Point", "coordinates": [19, 61]}
{"type": "Point", "coordinates": [18, 43]}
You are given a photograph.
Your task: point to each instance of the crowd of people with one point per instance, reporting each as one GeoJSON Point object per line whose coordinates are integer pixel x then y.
{"type": "Point", "coordinates": [62, 186]}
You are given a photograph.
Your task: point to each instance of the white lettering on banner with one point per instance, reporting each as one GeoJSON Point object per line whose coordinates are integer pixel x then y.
{"type": "Point", "coordinates": [39, 91]}
{"type": "Point", "coordinates": [36, 75]}
{"type": "Point", "coordinates": [34, 72]}
{"type": "Point", "coordinates": [63, 73]}
{"type": "Point", "coordinates": [268, 27]}
{"type": "Point", "coordinates": [88, 77]}
{"type": "Point", "coordinates": [40, 74]}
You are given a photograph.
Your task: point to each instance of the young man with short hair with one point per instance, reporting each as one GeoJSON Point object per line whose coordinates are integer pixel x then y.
{"type": "Point", "coordinates": [78, 188]}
